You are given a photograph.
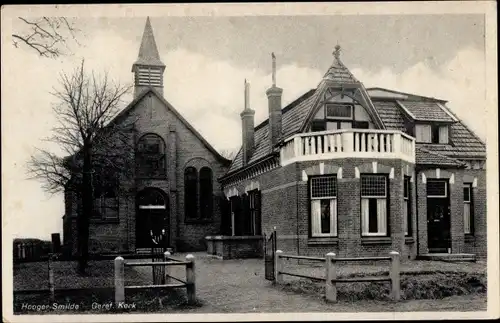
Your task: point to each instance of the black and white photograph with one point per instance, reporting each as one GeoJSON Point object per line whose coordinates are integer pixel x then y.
{"type": "Point", "coordinates": [228, 162]}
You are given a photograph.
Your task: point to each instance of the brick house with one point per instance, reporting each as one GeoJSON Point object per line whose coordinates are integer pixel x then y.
{"type": "Point", "coordinates": [174, 190]}
{"type": "Point", "coordinates": [355, 171]}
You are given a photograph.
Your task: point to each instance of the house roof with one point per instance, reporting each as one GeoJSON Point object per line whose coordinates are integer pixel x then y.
{"type": "Point", "coordinates": [148, 90]}
{"type": "Point", "coordinates": [426, 111]}
{"type": "Point", "coordinates": [426, 157]}
{"type": "Point", "coordinates": [465, 143]}
{"type": "Point", "coordinates": [338, 72]}
{"type": "Point", "coordinates": [383, 93]}
{"type": "Point", "coordinates": [148, 52]}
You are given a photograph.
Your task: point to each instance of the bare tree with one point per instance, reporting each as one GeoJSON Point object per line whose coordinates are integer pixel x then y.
{"type": "Point", "coordinates": [98, 143]}
{"type": "Point", "coordinates": [48, 36]}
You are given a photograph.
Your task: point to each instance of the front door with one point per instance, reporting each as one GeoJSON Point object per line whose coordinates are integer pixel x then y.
{"type": "Point", "coordinates": [152, 219]}
{"type": "Point", "coordinates": [438, 217]}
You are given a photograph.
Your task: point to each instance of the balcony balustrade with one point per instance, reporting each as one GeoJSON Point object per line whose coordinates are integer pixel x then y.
{"type": "Point", "coordinates": [348, 143]}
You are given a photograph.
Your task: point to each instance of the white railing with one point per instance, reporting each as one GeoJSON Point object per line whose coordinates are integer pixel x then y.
{"type": "Point", "coordinates": [353, 143]}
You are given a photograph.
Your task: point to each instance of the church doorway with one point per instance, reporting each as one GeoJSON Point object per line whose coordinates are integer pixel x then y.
{"type": "Point", "coordinates": [152, 219]}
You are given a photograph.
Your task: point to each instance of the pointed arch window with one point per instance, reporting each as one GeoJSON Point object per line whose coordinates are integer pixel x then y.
{"type": "Point", "coordinates": [150, 156]}
{"type": "Point", "coordinates": [206, 193]}
{"type": "Point", "coordinates": [190, 193]}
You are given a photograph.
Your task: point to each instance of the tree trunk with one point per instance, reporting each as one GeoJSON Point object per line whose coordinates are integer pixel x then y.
{"type": "Point", "coordinates": [87, 207]}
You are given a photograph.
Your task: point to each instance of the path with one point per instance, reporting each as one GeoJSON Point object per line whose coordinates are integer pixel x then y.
{"type": "Point", "coordinates": [238, 286]}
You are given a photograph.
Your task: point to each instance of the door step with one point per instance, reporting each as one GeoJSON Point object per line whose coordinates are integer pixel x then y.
{"type": "Point", "coordinates": [453, 257]}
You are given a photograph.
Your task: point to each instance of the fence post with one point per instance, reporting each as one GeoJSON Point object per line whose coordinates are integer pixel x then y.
{"type": "Point", "coordinates": [119, 280]}
{"type": "Point", "coordinates": [278, 267]}
{"type": "Point", "coordinates": [395, 275]}
{"type": "Point", "coordinates": [51, 279]}
{"type": "Point", "coordinates": [190, 279]}
{"type": "Point", "coordinates": [166, 257]}
{"type": "Point", "coordinates": [331, 275]}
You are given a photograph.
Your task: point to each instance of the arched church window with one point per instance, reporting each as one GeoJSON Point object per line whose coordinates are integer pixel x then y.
{"type": "Point", "coordinates": [206, 196]}
{"type": "Point", "coordinates": [150, 156]}
{"type": "Point", "coordinates": [191, 193]}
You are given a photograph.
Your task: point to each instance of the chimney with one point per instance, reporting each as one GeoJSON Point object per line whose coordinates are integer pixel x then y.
{"type": "Point", "coordinates": [274, 98]}
{"type": "Point", "coordinates": [247, 129]}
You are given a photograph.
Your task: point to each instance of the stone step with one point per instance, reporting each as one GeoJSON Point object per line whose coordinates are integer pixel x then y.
{"type": "Point", "coordinates": [453, 257]}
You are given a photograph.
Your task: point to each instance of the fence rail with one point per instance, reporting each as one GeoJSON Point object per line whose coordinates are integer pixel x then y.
{"type": "Point", "coordinates": [189, 283]}
{"type": "Point", "coordinates": [331, 279]}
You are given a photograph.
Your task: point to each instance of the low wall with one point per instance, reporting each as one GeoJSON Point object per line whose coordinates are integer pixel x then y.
{"type": "Point", "coordinates": [235, 247]}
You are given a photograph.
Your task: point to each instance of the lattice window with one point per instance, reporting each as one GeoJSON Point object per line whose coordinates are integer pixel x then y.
{"type": "Point", "coordinates": [373, 186]}
{"type": "Point", "coordinates": [324, 187]}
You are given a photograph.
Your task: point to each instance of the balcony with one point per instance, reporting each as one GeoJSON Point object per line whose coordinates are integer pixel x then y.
{"type": "Point", "coordinates": [348, 143]}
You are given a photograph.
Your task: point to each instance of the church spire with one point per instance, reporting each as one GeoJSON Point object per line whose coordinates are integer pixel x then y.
{"type": "Point", "coordinates": [148, 67]}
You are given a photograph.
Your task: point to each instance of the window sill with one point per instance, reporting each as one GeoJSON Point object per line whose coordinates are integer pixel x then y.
{"type": "Point", "coordinates": [105, 221]}
{"type": "Point", "coordinates": [409, 240]}
{"type": "Point", "coordinates": [375, 240]}
{"type": "Point", "coordinates": [198, 221]}
{"type": "Point", "coordinates": [323, 241]}
{"type": "Point", "coordinates": [469, 238]}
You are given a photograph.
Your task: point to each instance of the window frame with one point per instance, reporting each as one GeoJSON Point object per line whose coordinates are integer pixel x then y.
{"type": "Point", "coordinates": [446, 182]}
{"type": "Point", "coordinates": [434, 133]}
{"type": "Point", "coordinates": [194, 214]}
{"type": "Point", "coordinates": [386, 196]}
{"type": "Point", "coordinates": [336, 104]}
{"type": "Point", "coordinates": [408, 201]}
{"type": "Point", "coordinates": [334, 213]}
{"type": "Point", "coordinates": [470, 203]}
{"type": "Point", "coordinates": [142, 157]}
{"type": "Point", "coordinates": [201, 193]}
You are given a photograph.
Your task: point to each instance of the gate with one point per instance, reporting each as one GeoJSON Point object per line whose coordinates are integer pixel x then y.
{"type": "Point", "coordinates": [158, 248]}
{"type": "Point", "coordinates": [269, 254]}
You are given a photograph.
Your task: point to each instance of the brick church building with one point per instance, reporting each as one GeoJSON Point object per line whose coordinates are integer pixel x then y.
{"type": "Point", "coordinates": [342, 168]}
{"type": "Point", "coordinates": [175, 186]}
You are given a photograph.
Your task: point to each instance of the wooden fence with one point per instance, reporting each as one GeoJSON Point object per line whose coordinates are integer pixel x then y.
{"type": "Point", "coordinates": [168, 262]}
{"type": "Point", "coordinates": [331, 279]}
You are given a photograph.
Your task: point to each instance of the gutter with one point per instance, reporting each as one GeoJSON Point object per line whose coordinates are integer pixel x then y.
{"type": "Point", "coordinates": [243, 169]}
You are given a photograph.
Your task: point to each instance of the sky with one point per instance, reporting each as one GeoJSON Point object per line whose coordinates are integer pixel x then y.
{"type": "Point", "coordinates": [207, 60]}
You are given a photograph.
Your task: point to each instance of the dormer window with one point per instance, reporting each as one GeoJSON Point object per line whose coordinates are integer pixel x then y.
{"type": "Point", "coordinates": [431, 133]}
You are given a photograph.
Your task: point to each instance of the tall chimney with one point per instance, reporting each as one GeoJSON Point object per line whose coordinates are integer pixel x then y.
{"type": "Point", "coordinates": [247, 129]}
{"type": "Point", "coordinates": [274, 99]}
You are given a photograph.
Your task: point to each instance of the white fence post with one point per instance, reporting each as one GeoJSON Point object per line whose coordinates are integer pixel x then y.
{"type": "Point", "coordinates": [119, 280]}
{"type": "Point", "coordinates": [166, 257]}
{"type": "Point", "coordinates": [51, 278]}
{"type": "Point", "coordinates": [395, 275]}
{"type": "Point", "coordinates": [331, 275]}
{"type": "Point", "coordinates": [190, 279]}
{"type": "Point", "coordinates": [278, 266]}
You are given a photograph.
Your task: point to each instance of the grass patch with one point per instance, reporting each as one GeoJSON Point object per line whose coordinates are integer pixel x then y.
{"type": "Point", "coordinates": [414, 286]}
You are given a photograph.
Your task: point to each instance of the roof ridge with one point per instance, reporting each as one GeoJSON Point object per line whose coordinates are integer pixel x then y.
{"type": "Point", "coordinates": [405, 93]}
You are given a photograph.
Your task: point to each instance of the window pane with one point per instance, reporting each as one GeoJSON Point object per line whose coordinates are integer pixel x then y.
{"type": "Point", "coordinates": [206, 192]}
{"type": "Point", "coordinates": [406, 187]}
{"type": "Point", "coordinates": [325, 216]}
{"type": "Point", "coordinates": [467, 218]}
{"type": "Point", "coordinates": [373, 185]}
{"type": "Point", "coordinates": [423, 133]}
{"type": "Point", "coordinates": [466, 193]}
{"type": "Point", "coordinates": [191, 192]}
{"type": "Point", "coordinates": [405, 217]}
{"type": "Point", "coordinates": [436, 188]}
{"type": "Point", "coordinates": [372, 217]}
{"type": "Point", "coordinates": [325, 186]}
{"type": "Point", "coordinates": [443, 134]}
{"type": "Point", "coordinates": [338, 111]}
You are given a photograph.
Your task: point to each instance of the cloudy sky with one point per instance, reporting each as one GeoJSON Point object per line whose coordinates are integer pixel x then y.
{"type": "Point", "coordinates": [207, 59]}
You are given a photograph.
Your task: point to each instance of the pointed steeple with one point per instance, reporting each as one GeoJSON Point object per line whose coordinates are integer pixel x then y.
{"type": "Point", "coordinates": [338, 72]}
{"type": "Point", "coordinates": [148, 52]}
{"type": "Point", "coordinates": [148, 67]}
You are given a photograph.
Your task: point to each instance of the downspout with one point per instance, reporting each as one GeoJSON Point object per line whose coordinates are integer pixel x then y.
{"type": "Point", "coordinates": [417, 172]}
{"type": "Point", "coordinates": [297, 205]}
